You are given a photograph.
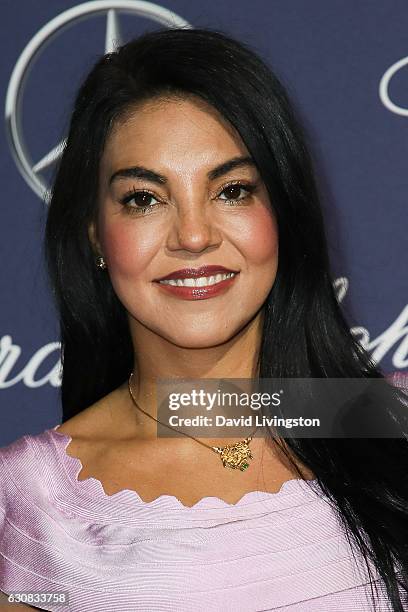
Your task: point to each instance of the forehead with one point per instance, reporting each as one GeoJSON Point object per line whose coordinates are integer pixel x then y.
{"type": "Point", "coordinates": [176, 128]}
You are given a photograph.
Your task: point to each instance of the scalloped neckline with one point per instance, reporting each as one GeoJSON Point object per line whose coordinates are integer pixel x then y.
{"type": "Point", "coordinates": [93, 486]}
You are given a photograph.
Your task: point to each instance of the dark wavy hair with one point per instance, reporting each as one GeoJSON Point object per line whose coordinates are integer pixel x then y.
{"type": "Point", "coordinates": [305, 333]}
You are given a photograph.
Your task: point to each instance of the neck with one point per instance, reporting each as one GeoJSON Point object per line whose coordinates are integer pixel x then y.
{"type": "Point", "coordinates": [156, 358]}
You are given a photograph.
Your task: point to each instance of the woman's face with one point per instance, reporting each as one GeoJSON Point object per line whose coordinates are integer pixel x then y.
{"type": "Point", "coordinates": [168, 201]}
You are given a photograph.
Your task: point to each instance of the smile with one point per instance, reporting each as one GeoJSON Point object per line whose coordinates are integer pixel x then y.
{"type": "Point", "coordinates": [200, 288]}
{"type": "Point", "coordinates": [201, 281]}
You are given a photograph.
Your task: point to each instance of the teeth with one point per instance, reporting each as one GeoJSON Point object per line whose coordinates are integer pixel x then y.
{"type": "Point", "coordinates": [202, 281]}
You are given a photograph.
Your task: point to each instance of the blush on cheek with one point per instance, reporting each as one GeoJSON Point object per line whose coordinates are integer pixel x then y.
{"type": "Point", "coordinates": [259, 236]}
{"type": "Point", "coordinates": [127, 252]}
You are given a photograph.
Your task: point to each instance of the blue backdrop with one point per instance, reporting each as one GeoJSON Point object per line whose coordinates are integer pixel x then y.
{"type": "Point", "coordinates": [345, 65]}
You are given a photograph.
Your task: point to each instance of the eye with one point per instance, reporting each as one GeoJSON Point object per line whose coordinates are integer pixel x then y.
{"type": "Point", "coordinates": [142, 201]}
{"type": "Point", "coordinates": [233, 191]}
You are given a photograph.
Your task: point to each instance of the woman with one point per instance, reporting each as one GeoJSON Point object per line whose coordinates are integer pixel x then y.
{"type": "Point", "coordinates": [183, 153]}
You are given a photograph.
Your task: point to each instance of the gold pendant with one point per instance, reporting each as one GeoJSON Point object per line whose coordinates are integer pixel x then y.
{"type": "Point", "coordinates": [235, 456]}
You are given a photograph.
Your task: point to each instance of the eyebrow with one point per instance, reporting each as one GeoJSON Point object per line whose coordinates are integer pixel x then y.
{"type": "Point", "coordinates": [160, 179]}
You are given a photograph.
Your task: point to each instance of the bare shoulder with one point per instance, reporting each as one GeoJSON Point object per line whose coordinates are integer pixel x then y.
{"type": "Point", "coordinates": [103, 440]}
{"type": "Point", "coordinates": [98, 421]}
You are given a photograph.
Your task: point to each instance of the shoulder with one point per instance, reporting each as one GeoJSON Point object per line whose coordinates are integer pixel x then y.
{"type": "Point", "coordinates": [95, 431]}
{"type": "Point", "coordinates": [18, 458]}
{"type": "Point", "coordinates": [25, 465]}
{"type": "Point", "coordinates": [101, 420]}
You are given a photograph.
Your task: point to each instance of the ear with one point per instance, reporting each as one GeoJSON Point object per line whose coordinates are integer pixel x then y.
{"type": "Point", "coordinates": [92, 234]}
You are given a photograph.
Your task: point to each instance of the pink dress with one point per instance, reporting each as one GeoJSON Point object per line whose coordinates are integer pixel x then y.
{"type": "Point", "coordinates": [279, 551]}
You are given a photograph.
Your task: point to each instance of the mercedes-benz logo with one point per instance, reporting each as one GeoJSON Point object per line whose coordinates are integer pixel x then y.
{"type": "Point", "coordinates": [112, 8]}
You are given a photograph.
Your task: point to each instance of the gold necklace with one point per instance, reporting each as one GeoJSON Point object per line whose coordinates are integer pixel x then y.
{"type": "Point", "coordinates": [234, 456]}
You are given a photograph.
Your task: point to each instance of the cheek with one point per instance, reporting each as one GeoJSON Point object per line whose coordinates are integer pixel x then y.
{"type": "Point", "coordinates": [128, 251]}
{"type": "Point", "coordinates": [258, 237]}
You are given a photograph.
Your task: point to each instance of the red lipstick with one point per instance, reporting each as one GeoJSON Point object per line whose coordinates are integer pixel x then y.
{"type": "Point", "coordinates": [196, 272]}
{"type": "Point", "coordinates": [201, 292]}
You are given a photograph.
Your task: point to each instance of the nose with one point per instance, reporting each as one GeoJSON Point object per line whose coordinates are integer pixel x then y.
{"type": "Point", "coordinates": [193, 230]}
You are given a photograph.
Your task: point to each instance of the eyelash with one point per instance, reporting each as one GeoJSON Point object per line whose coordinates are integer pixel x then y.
{"type": "Point", "coordinates": [249, 187]}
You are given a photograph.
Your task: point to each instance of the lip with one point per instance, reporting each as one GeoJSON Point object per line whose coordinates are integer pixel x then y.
{"type": "Point", "coordinates": [196, 272]}
{"type": "Point", "coordinates": [198, 293]}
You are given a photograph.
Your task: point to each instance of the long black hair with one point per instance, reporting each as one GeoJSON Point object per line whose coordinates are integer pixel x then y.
{"type": "Point", "coordinates": [305, 333]}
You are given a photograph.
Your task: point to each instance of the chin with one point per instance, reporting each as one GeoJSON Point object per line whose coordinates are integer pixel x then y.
{"type": "Point", "coordinates": [200, 339]}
